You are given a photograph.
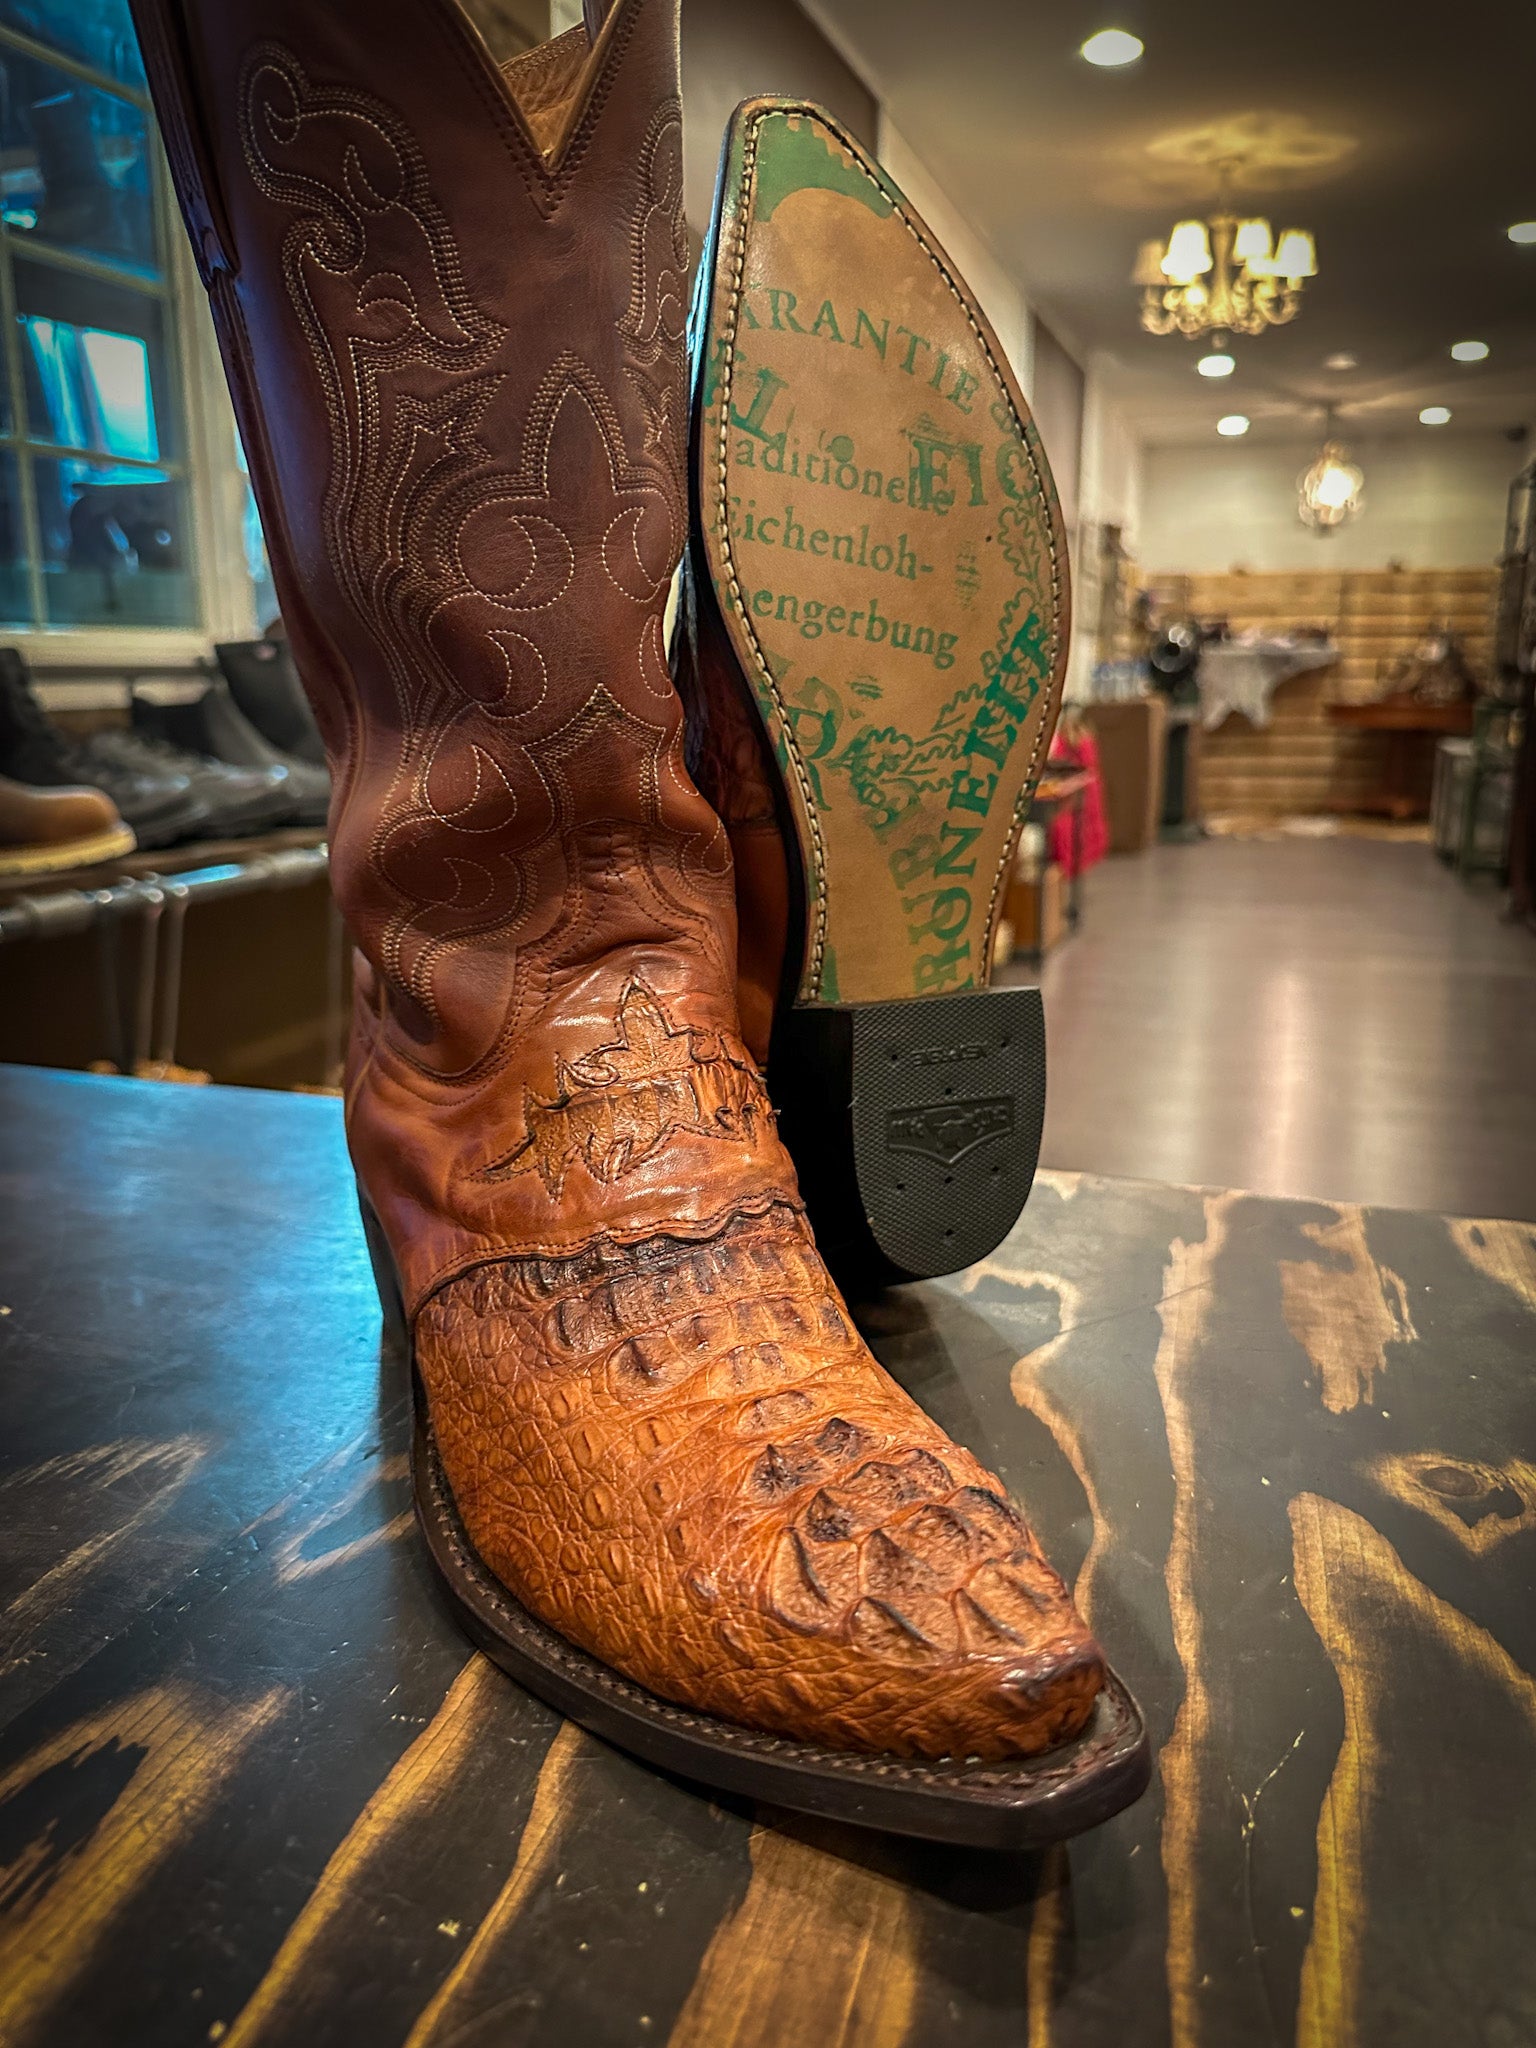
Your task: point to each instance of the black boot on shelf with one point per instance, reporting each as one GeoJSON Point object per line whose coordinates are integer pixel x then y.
{"type": "Point", "coordinates": [265, 685]}
{"type": "Point", "coordinates": [236, 801]}
{"type": "Point", "coordinates": [215, 726]}
{"type": "Point", "coordinates": [157, 801]}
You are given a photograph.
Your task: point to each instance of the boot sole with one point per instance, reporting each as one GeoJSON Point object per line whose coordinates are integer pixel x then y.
{"type": "Point", "coordinates": [867, 473]}
{"type": "Point", "coordinates": [1015, 1806]}
{"type": "Point", "coordinates": [71, 853]}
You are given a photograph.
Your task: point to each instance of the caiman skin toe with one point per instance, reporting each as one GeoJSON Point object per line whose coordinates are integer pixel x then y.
{"type": "Point", "coordinates": [684, 1458]}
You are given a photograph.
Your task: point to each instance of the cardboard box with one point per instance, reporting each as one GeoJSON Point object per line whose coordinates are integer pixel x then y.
{"type": "Point", "coordinates": [1036, 909]}
{"type": "Point", "coordinates": [1132, 738]}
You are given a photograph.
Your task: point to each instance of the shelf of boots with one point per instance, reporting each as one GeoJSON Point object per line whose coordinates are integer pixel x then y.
{"type": "Point", "coordinates": [94, 965]}
{"type": "Point", "coordinates": [73, 899]}
{"type": "Point", "coordinates": [165, 860]}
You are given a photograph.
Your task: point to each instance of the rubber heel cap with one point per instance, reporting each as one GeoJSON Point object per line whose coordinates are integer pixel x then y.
{"type": "Point", "coordinates": [915, 1126]}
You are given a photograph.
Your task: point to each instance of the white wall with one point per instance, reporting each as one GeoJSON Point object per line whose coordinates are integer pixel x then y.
{"type": "Point", "coordinates": [1057, 402]}
{"type": "Point", "coordinates": [993, 287]}
{"type": "Point", "coordinates": [1114, 461]}
{"type": "Point", "coordinates": [1109, 494]}
{"type": "Point", "coordinates": [1431, 502]}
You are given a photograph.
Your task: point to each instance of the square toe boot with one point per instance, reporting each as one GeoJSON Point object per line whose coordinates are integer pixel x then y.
{"type": "Point", "coordinates": [873, 645]}
{"type": "Point", "coordinates": [666, 1484]}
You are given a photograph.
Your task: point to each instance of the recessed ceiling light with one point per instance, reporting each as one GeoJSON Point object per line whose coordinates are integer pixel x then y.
{"type": "Point", "coordinates": [1523, 231]}
{"type": "Point", "coordinates": [1232, 425]}
{"type": "Point", "coordinates": [1434, 416]}
{"type": "Point", "coordinates": [1216, 364]}
{"type": "Point", "coordinates": [1469, 351]}
{"type": "Point", "coordinates": [1112, 47]}
{"type": "Point", "coordinates": [1342, 361]}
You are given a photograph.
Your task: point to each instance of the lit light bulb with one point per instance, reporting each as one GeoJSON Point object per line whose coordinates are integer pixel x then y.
{"type": "Point", "coordinates": [1469, 351]}
{"type": "Point", "coordinates": [1232, 424]}
{"type": "Point", "coordinates": [1189, 252]}
{"type": "Point", "coordinates": [1295, 254]}
{"type": "Point", "coordinates": [1329, 493]}
{"type": "Point", "coordinates": [1112, 47]}
{"type": "Point", "coordinates": [1216, 364]}
{"type": "Point", "coordinates": [1251, 244]}
{"type": "Point", "coordinates": [1342, 360]}
{"type": "Point", "coordinates": [1523, 231]}
{"type": "Point", "coordinates": [1434, 416]}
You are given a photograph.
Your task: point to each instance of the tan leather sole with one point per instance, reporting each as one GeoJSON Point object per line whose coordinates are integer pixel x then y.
{"type": "Point", "coordinates": [70, 853]}
{"type": "Point", "coordinates": [886, 549]}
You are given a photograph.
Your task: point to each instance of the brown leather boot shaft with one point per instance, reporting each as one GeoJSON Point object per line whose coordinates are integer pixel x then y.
{"type": "Point", "coordinates": [451, 304]}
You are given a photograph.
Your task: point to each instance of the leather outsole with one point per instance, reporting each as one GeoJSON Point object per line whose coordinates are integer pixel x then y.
{"type": "Point", "coordinates": [883, 540]}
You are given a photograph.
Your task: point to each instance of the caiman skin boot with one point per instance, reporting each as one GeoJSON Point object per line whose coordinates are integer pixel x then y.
{"type": "Point", "coordinates": [667, 1485]}
{"type": "Point", "coordinates": [873, 648]}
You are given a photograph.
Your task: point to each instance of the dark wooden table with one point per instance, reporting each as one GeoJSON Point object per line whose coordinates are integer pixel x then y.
{"type": "Point", "coordinates": [1409, 728]}
{"type": "Point", "coordinates": [255, 1789]}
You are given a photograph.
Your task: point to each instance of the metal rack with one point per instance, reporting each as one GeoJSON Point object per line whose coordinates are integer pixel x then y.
{"type": "Point", "coordinates": [158, 905]}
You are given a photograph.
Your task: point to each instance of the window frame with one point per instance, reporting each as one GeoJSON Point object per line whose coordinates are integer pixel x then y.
{"type": "Point", "coordinates": [207, 466]}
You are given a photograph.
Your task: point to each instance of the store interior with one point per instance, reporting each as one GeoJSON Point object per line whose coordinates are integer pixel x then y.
{"type": "Point", "coordinates": [1254, 1360]}
{"type": "Point", "coordinates": [1299, 866]}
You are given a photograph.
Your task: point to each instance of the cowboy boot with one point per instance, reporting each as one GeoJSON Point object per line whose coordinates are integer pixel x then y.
{"type": "Point", "coordinates": [873, 644]}
{"type": "Point", "coordinates": [665, 1483]}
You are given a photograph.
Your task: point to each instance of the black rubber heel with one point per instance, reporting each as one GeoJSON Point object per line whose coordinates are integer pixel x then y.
{"type": "Point", "coordinates": [915, 1126]}
{"type": "Point", "coordinates": [385, 1278]}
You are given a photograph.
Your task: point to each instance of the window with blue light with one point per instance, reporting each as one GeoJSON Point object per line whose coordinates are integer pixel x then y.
{"type": "Point", "coordinates": [94, 525]}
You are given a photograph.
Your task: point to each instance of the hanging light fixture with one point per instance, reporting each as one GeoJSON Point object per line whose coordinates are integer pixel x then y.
{"type": "Point", "coordinates": [1223, 276]}
{"type": "Point", "coordinates": [1333, 489]}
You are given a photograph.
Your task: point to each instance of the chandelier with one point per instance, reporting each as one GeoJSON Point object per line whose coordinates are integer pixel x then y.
{"type": "Point", "coordinates": [1223, 276]}
{"type": "Point", "coordinates": [1331, 491]}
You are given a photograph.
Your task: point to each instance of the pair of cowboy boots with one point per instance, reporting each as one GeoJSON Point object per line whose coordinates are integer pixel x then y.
{"type": "Point", "coordinates": [667, 1484]}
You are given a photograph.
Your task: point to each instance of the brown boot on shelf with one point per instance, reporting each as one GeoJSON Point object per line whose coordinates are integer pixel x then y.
{"type": "Point", "coordinates": [43, 830]}
{"type": "Point", "coordinates": [874, 645]}
{"type": "Point", "coordinates": [667, 1484]}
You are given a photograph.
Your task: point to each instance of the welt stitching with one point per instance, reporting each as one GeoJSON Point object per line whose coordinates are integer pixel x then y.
{"type": "Point", "coordinates": [727, 376]}
{"type": "Point", "coordinates": [517, 1620]}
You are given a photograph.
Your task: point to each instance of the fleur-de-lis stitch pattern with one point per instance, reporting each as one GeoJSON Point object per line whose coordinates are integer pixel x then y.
{"type": "Point", "coordinates": [619, 1103]}
{"type": "Point", "coordinates": [452, 513]}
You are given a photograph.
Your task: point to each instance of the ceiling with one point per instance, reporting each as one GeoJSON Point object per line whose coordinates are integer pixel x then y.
{"type": "Point", "coordinates": [1401, 136]}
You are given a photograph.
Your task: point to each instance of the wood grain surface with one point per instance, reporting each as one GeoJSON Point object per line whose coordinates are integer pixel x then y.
{"type": "Point", "coordinates": [255, 1789]}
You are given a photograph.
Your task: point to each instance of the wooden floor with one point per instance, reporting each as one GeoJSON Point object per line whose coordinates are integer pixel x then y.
{"type": "Point", "coordinates": [1332, 1019]}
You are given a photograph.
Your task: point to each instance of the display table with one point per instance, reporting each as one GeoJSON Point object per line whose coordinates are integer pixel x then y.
{"type": "Point", "coordinates": [256, 1789]}
{"type": "Point", "coordinates": [1410, 727]}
